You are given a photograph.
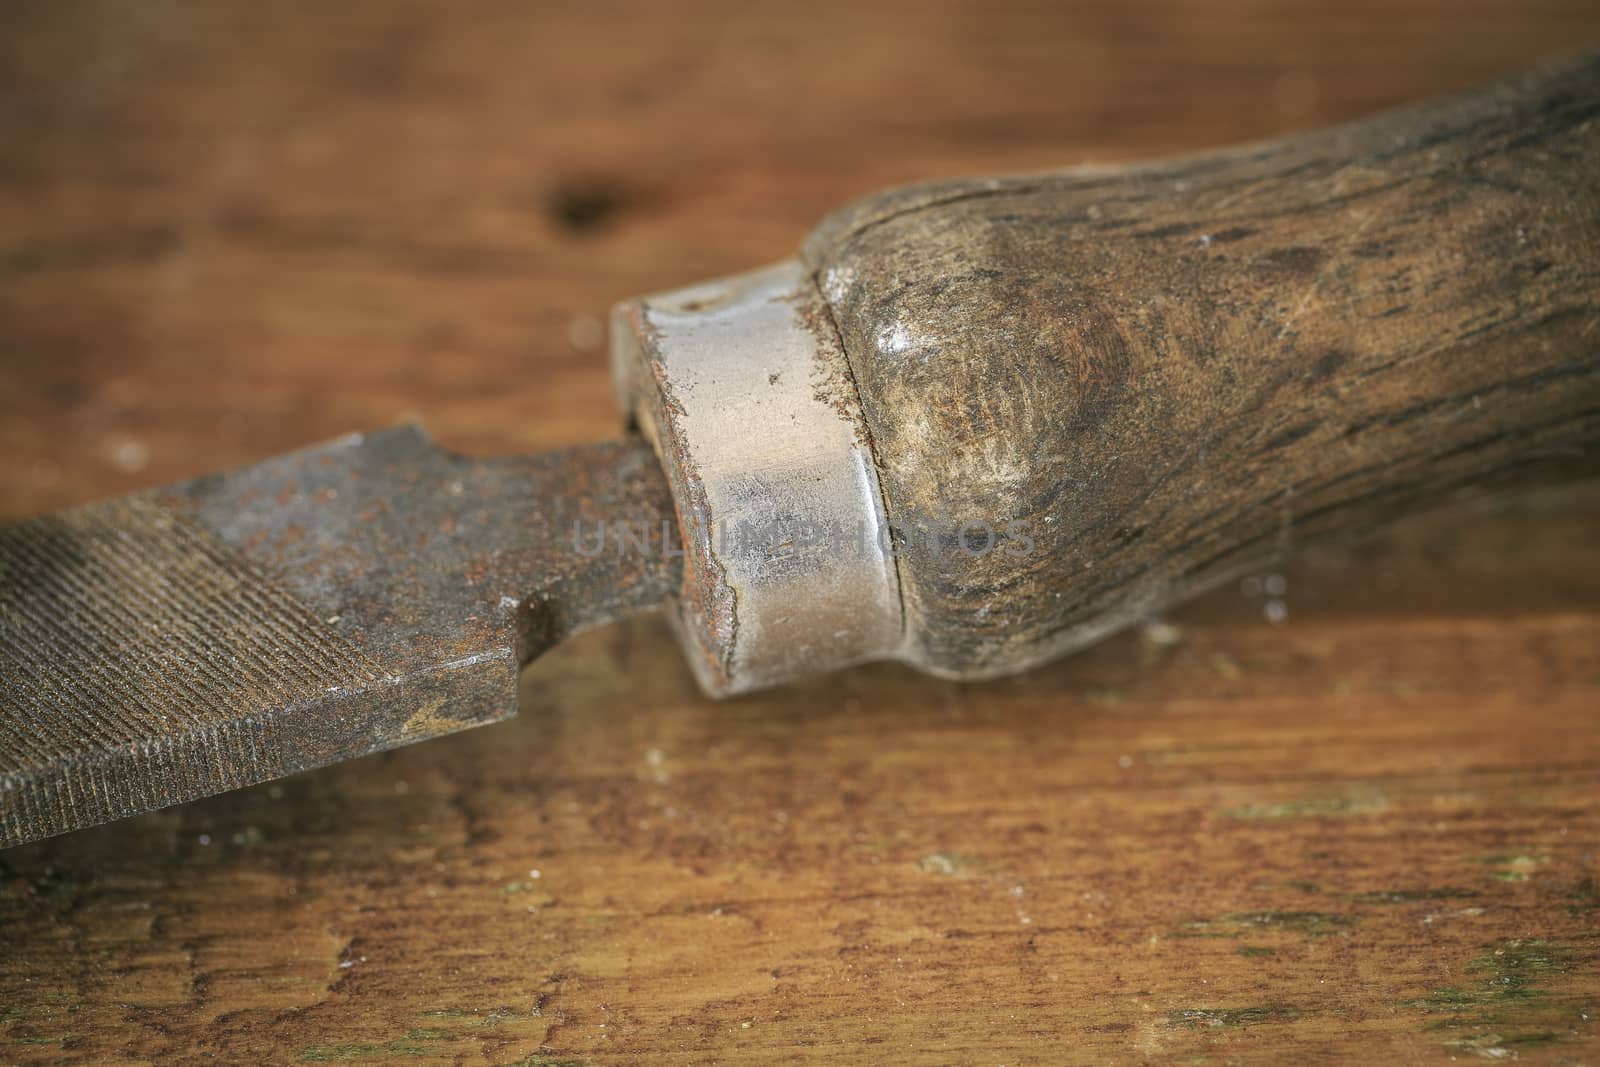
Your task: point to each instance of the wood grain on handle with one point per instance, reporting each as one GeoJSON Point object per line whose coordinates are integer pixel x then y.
{"type": "Point", "coordinates": [1173, 373]}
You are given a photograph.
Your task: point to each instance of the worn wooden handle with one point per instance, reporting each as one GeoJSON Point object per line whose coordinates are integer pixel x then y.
{"type": "Point", "coordinates": [1171, 374]}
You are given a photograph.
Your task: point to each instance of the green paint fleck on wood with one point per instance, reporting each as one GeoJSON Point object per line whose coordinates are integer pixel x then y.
{"type": "Point", "coordinates": [1513, 866]}
{"type": "Point", "coordinates": [1509, 1005]}
{"type": "Point", "coordinates": [945, 863]}
{"type": "Point", "coordinates": [1255, 951]}
{"type": "Point", "coordinates": [1232, 1018]}
{"type": "Point", "coordinates": [1360, 800]}
{"type": "Point", "coordinates": [1494, 1046]}
{"type": "Point", "coordinates": [1408, 896]}
{"type": "Point", "coordinates": [1520, 960]}
{"type": "Point", "coordinates": [1244, 924]}
{"type": "Point", "coordinates": [429, 1033]}
{"type": "Point", "coordinates": [1294, 885]}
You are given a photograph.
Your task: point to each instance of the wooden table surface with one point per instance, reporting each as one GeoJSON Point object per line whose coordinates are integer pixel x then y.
{"type": "Point", "coordinates": [233, 228]}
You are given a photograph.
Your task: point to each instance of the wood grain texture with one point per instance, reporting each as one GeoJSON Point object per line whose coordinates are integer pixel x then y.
{"type": "Point", "coordinates": [228, 230]}
{"type": "Point", "coordinates": [1167, 375]}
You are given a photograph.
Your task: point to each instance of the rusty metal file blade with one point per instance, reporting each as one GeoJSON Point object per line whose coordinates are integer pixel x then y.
{"type": "Point", "coordinates": [353, 597]}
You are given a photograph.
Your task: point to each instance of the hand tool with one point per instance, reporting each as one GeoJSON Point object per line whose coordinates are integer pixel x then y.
{"type": "Point", "coordinates": [972, 425]}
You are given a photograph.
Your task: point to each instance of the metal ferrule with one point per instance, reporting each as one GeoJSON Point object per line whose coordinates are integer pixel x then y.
{"type": "Point", "coordinates": [743, 388]}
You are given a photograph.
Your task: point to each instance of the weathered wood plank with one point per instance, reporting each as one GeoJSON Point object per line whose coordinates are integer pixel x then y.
{"type": "Point", "coordinates": [1366, 833]}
